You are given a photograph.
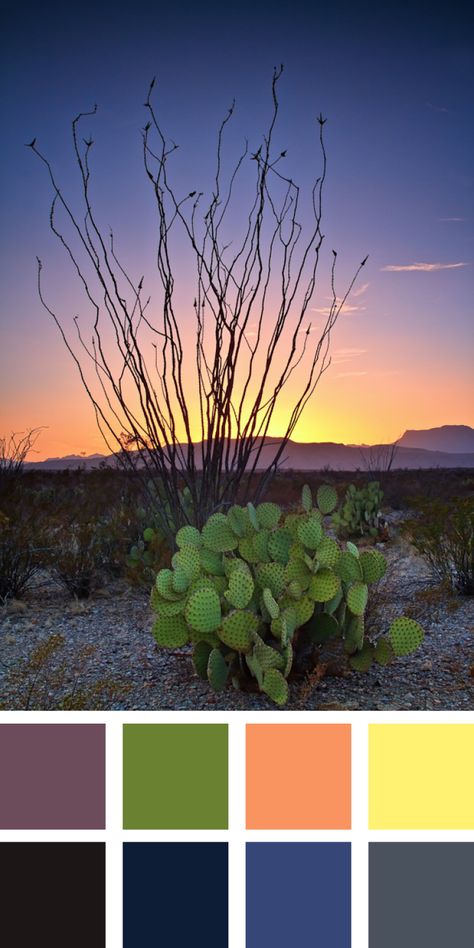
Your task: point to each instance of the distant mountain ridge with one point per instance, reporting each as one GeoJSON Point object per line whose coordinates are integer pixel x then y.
{"type": "Point", "coordinates": [457, 439]}
{"type": "Point", "coordinates": [415, 449]}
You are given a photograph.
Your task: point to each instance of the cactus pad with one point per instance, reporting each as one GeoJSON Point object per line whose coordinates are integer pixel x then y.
{"type": "Point", "coordinates": [252, 513]}
{"type": "Point", "coordinates": [188, 536]}
{"type": "Point", "coordinates": [237, 628]}
{"type": "Point", "coordinates": [272, 576]}
{"type": "Point", "coordinates": [164, 607]}
{"type": "Point", "coordinates": [201, 653]}
{"type": "Point", "coordinates": [254, 666]}
{"type": "Point", "coordinates": [189, 560]}
{"type": "Point", "coordinates": [306, 498]}
{"type": "Point", "coordinates": [275, 686]}
{"type": "Point", "coordinates": [238, 520]}
{"type": "Point", "coordinates": [362, 660]}
{"type": "Point", "coordinates": [241, 588]}
{"type": "Point", "coordinates": [217, 670]}
{"type": "Point", "coordinates": [268, 515]}
{"type": "Point", "coordinates": [291, 523]}
{"type": "Point", "coordinates": [405, 635]}
{"type": "Point", "coordinates": [288, 657]}
{"type": "Point", "coordinates": [294, 589]}
{"type": "Point", "coordinates": [373, 565]}
{"type": "Point", "coordinates": [203, 610]}
{"type": "Point", "coordinates": [247, 550]}
{"type": "Point", "coordinates": [297, 571]}
{"type": "Point", "coordinates": [260, 545]}
{"type": "Point", "coordinates": [304, 609]}
{"type": "Point", "coordinates": [170, 631]}
{"type": "Point", "coordinates": [352, 548]}
{"type": "Point", "coordinates": [326, 499]}
{"type": "Point", "coordinates": [334, 603]}
{"type": "Point", "coordinates": [348, 567]}
{"type": "Point", "coordinates": [267, 656]}
{"type": "Point", "coordinates": [164, 585]}
{"type": "Point", "coordinates": [357, 596]}
{"type": "Point", "coordinates": [328, 552]}
{"type": "Point", "coordinates": [270, 603]}
{"type": "Point", "coordinates": [217, 534]}
{"type": "Point", "coordinates": [180, 580]}
{"type": "Point", "coordinates": [211, 562]}
{"type": "Point", "coordinates": [324, 585]}
{"type": "Point", "coordinates": [279, 544]}
{"type": "Point", "coordinates": [354, 635]}
{"type": "Point", "coordinates": [383, 652]}
{"type": "Point", "coordinates": [310, 532]}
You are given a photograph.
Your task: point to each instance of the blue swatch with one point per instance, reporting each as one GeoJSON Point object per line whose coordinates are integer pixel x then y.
{"type": "Point", "coordinates": [298, 894]}
{"type": "Point", "coordinates": [175, 894]}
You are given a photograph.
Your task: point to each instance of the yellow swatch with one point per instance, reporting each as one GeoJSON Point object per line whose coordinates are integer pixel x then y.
{"type": "Point", "coordinates": [421, 776]}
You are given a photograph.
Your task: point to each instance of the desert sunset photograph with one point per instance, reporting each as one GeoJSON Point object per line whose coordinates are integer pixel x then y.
{"type": "Point", "coordinates": [237, 350]}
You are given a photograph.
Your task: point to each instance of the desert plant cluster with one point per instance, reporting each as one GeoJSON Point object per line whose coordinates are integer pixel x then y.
{"type": "Point", "coordinates": [255, 588]}
{"type": "Point", "coordinates": [262, 594]}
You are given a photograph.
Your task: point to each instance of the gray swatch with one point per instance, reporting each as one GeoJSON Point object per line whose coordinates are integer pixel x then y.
{"type": "Point", "coordinates": [420, 895]}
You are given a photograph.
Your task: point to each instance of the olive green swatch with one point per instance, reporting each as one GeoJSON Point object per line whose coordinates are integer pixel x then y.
{"type": "Point", "coordinates": [175, 776]}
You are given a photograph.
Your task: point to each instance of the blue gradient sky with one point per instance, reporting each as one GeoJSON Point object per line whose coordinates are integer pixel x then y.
{"type": "Point", "coordinates": [396, 85]}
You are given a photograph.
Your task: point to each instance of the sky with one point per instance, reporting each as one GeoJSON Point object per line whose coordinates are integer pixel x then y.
{"type": "Point", "coordinates": [395, 84]}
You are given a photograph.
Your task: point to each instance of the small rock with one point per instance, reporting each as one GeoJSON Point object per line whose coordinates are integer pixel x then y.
{"type": "Point", "coordinates": [76, 608]}
{"type": "Point", "coordinates": [16, 607]}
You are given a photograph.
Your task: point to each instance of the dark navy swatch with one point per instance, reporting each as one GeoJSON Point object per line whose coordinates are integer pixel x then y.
{"type": "Point", "coordinates": [52, 894]}
{"type": "Point", "coordinates": [420, 894]}
{"type": "Point", "coordinates": [175, 894]}
{"type": "Point", "coordinates": [298, 894]}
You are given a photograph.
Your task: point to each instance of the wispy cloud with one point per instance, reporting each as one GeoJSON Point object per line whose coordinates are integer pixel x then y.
{"type": "Point", "coordinates": [422, 267]}
{"type": "Point", "coordinates": [437, 108]}
{"type": "Point", "coordinates": [347, 308]}
{"type": "Point", "coordinates": [350, 352]}
{"type": "Point", "coordinates": [345, 375]}
{"type": "Point", "coordinates": [347, 355]}
{"type": "Point", "coordinates": [451, 219]}
{"type": "Point", "coordinates": [361, 289]}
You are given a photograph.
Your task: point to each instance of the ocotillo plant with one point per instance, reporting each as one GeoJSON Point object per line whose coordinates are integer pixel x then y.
{"type": "Point", "coordinates": [143, 389]}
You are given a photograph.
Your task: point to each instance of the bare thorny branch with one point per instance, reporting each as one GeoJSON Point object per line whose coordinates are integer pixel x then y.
{"type": "Point", "coordinates": [238, 376]}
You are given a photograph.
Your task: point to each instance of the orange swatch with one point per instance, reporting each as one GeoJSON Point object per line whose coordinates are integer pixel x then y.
{"type": "Point", "coordinates": [298, 776]}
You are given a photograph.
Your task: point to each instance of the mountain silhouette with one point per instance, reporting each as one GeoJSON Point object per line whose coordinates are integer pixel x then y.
{"type": "Point", "coordinates": [415, 449]}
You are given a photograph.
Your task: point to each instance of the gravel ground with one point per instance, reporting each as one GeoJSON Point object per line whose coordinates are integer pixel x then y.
{"type": "Point", "coordinates": [108, 656]}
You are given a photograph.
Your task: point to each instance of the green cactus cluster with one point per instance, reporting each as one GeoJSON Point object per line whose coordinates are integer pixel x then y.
{"type": "Point", "coordinates": [255, 582]}
{"type": "Point", "coordinates": [360, 512]}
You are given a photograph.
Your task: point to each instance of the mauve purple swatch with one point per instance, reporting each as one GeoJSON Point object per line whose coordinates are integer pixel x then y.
{"type": "Point", "coordinates": [52, 776]}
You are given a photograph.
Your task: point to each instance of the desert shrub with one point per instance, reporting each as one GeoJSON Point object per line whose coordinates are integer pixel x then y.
{"type": "Point", "coordinates": [92, 522]}
{"type": "Point", "coordinates": [17, 560]}
{"type": "Point", "coordinates": [360, 512]}
{"type": "Point", "coordinates": [46, 681]}
{"type": "Point", "coordinates": [76, 560]}
{"type": "Point", "coordinates": [256, 589]}
{"type": "Point", "coordinates": [443, 532]}
{"type": "Point", "coordinates": [23, 545]}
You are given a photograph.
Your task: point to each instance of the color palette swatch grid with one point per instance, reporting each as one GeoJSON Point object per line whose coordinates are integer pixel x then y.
{"type": "Point", "coordinates": [235, 833]}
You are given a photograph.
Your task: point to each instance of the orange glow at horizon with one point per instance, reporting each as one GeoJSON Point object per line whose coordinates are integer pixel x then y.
{"type": "Point", "coordinates": [358, 409]}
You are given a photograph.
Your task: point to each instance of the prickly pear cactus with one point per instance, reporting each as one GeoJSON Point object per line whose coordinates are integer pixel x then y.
{"type": "Point", "coordinates": [256, 585]}
{"type": "Point", "coordinates": [360, 512]}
